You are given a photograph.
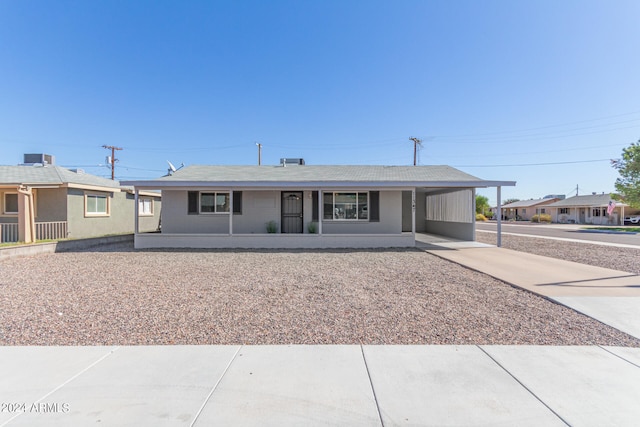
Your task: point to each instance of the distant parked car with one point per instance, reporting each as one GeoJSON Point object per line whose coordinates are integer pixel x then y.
{"type": "Point", "coordinates": [632, 219]}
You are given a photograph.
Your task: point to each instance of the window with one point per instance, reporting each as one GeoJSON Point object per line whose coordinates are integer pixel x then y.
{"type": "Point", "coordinates": [599, 212]}
{"type": "Point", "coordinates": [214, 202]}
{"type": "Point", "coordinates": [346, 206]}
{"type": "Point", "coordinates": [524, 211]}
{"type": "Point", "coordinates": [564, 211]}
{"type": "Point", "coordinates": [96, 205]}
{"type": "Point", "coordinates": [10, 203]}
{"type": "Point", "coordinates": [145, 206]}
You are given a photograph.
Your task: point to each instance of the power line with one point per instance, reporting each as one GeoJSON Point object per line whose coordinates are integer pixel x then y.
{"type": "Point", "coordinates": [543, 127]}
{"type": "Point", "coordinates": [532, 164]}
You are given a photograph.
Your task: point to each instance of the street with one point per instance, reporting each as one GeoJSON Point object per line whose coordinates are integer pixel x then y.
{"type": "Point", "coordinates": [561, 231]}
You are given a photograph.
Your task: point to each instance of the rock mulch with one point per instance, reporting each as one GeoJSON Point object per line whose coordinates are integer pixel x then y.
{"type": "Point", "coordinates": [117, 296]}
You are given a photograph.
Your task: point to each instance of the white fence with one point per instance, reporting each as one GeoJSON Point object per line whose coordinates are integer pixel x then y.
{"type": "Point", "coordinates": [44, 231]}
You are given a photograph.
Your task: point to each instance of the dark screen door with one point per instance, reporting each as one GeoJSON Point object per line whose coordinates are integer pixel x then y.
{"type": "Point", "coordinates": [292, 212]}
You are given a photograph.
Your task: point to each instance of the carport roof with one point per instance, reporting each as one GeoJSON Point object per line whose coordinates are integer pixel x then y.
{"type": "Point", "coordinates": [318, 176]}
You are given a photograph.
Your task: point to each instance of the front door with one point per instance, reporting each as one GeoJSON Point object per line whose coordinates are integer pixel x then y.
{"type": "Point", "coordinates": [292, 211]}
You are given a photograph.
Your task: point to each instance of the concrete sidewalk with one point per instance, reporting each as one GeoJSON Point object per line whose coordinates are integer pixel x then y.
{"type": "Point", "coordinates": [610, 296]}
{"type": "Point", "coordinates": [319, 385]}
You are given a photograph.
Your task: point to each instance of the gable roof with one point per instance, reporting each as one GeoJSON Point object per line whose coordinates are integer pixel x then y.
{"type": "Point", "coordinates": [317, 176]}
{"type": "Point", "coordinates": [52, 176]}
{"type": "Point", "coordinates": [592, 200]}
{"type": "Point", "coordinates": [528, 203]}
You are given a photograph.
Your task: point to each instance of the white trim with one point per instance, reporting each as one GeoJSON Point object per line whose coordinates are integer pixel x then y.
{"type": "Point", "coordinates": [97, 214]}
{"type": "Point", "coordinates": [313, 185]}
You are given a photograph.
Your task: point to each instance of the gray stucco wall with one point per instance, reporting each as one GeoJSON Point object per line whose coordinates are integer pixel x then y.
{"type": "Point", "coordinates": [119, 220]}
{"type": "Point", "coordinates": [421, 212]}
{"type": "Point", "coordinates": [457, 230]}
{"type": "Point", "coordinates": [51, 204]}
{"type": "Point", "coordinates": [259, 207]}
{"type": "Point", "coordinates": [175, 217]}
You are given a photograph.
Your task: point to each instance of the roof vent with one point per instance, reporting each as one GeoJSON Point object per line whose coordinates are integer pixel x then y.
{"type": "Point", "coordinates": [40, 158]}
{"type": "Point", "coordinates": [291, 161]}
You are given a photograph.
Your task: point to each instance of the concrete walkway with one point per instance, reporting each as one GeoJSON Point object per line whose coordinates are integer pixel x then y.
{"type": "Point", "coordinates": [351, 385]}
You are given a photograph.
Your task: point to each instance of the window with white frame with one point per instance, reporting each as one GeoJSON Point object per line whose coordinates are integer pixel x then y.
{"type": "Point", "coordinates": [145, 206]}
{"type": "Point", "coordinates": [598, 212]}
{"type": "Point", "coordinates": [10, 204]}
{"type": "Point", "coordinates": [564, 211]}
{"type": "Point", "coordinates": [346, 206]}
{"type": "Point", "coordinates": [96, 204]}
{"type": "Point", "coordinates": [214, 202]}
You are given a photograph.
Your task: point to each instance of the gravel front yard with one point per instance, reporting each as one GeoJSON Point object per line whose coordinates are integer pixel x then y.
{"type": "Point", "coordinates": [118, 296]}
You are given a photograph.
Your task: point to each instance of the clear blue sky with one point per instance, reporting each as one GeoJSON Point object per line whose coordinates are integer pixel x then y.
{"type": "Point", "coordinates": [498, 89]}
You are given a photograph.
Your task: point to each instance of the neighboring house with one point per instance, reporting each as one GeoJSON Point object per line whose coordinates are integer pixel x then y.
{"type": "Point", "coordinates": [303, 206]}
{"type": "Point", "coordinates": [590, 209]}
{"type": "Point", "coordinates": [52, 202]}
{"type": "Point", "coordinates": [524, 210]}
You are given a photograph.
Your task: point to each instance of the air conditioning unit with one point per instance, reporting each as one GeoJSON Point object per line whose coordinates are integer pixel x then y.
{"type": "Point", "coordinates": [291, 161]}
{"type": "Point", "coordinates": [40, 158]}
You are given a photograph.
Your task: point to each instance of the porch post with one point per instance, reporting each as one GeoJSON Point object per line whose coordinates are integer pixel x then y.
{"type": "Point", "coordinates": [413, 212]}
{"type": "Point", "coordinates": [320, 202]}
{"type": "Point", "coordinates": [499, 196]}
{"type": "Point", "coordinates": [230, 212]}
{"type": "Point", "coordinates": [26, 220]}
{"type": "Point", "coordinates": [136, 211]}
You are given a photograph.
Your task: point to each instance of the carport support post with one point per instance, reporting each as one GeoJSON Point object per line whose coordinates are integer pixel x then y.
{"type": "Point", "coordinates": [320, 206]}
{"type": "Point", "coordinates": [136, 211]}
{"type": "Point", "coordinates": [231, 212]}
{"type": "Point", "coordinates": [499, 211]}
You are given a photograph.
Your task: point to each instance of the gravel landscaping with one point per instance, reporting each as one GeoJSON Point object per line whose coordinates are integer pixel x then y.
{"type": "Point", "coordinates": [117, 296]}
{"type": "Point", "coordinates": [623, 259]}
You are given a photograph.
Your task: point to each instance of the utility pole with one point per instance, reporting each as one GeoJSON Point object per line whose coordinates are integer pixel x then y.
{"type": "Point", "coordinates": [113, 159]}
{"type": "Point", "coordinates": [416, 142]}
{"type": "Point", "coordinates": [259, 153]}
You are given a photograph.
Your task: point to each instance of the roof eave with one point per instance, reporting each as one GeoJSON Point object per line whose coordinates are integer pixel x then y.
{"type": "Point", "coordinates": [156, 184]}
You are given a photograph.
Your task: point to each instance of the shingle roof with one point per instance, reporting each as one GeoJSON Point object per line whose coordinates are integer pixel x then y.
{"type": "Point", "coordinates": [50, 175]}
{"type": "Point", "coordinates": [596, 200]}
{"type": "Point", "coordinates": [527, 203]}
{"type": "Point", "coordinates": [310, 174]}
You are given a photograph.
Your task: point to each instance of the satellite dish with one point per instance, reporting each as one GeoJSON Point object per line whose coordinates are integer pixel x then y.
{"type": "Point", "coordinates": [172, 168]}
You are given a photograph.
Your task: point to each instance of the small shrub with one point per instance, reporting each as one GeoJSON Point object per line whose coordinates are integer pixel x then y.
{"type": "Point", "coordinates": [312, 228]}
{"type": "Point", "coordinates": [272, 227]}
{"type": "Point", "coordinates": [541, 218]}
{"type": "Point", "coordinates": [480, 217]}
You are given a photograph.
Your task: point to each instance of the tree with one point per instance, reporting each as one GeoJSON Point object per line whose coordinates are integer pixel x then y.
{"type": "Point", "coordinates": [628, 166]}
{"type": "Point", "coordinates": [482, 204]}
